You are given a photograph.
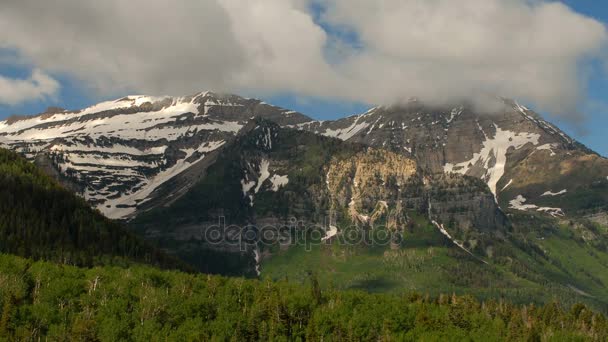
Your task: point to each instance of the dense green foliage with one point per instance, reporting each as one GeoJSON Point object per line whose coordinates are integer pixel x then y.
{"type": "Point", "coordinates": [39, 300]}
{"type": "Point", "coordinates": [42, 220]}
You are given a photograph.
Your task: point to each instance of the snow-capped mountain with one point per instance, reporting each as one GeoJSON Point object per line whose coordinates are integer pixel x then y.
{"type": "Point", "coordinates": [117, 153]}
{"type": "Point", "coordinates": [138, 152]}
{"type": "Point", "coordinates": [176, 167]}
{"type": "Point", "coordinates": [514, 150]}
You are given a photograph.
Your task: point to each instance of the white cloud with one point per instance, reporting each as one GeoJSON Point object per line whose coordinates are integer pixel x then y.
{"type": "Point", "coordinates": [434, 49]}
{"type": "Point", "coordinates": [38, 86]}
{"type": "Point", "coordinates": [444, 48]}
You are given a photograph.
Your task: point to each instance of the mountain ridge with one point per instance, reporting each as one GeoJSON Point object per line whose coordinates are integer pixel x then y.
{"type": "Point", "coordinates": [472, 201]}
{"type": "Point", "coordinates": [143, 142]}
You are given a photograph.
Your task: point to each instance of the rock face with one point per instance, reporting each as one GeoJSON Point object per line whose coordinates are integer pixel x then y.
{"type": "Point", "coordinates": [513, 150]}
{"type": "Point", "coordinates": [369, 184]}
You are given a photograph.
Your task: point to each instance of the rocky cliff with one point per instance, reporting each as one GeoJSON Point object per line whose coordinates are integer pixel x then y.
{"type": "Point", "coordinates": [512, 149]}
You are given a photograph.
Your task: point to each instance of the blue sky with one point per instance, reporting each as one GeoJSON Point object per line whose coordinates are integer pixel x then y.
{"type": "Point", "coordinates": [75, 94]}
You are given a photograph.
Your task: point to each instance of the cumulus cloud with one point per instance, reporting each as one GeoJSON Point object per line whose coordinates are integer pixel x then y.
{"type": "Point", "coordinates": [440, 48]}
{"type": "Point", "coordinates": [136, 45]}
{"type": "Point", "coordinates": [437, 50]}
{"type": "Point", "coordinates": [38, 86]}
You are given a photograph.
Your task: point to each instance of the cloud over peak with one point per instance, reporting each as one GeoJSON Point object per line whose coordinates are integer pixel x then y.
{"type": "Point", "coordinates": [394, 49]}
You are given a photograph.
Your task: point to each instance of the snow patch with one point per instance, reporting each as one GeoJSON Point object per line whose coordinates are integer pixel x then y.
{"type": "Point", "coordinates": [519, 204]}
{"type": "Point", "coordinates": [126, 205]}
{"type": "Point", "coordinates": [549, 193]}
{"type": "Point", "coordinates": [508, 185]}
{"type": "Point", "coordinates": [266, 139]}
{"type": "Point", "coordinates": [278, 182]}
{"type": "Point", "coordinates": [552, 129]}
{"type": "Point", "coordinates": [547, 147]}
{"type": "Point", "coordinates": [246, 186]}
{"type": "Point", "coordinates": [333, 231]}
{"type": "Point", "coordinates": [555, 212]}
{"type": "Point", "coordinates": [348, 132]}
{"type": "Point", "coordinates": [264, 174]}
{"type": "Point", "coordinates": [455, 113]}
{"type": "Point", "coordinates": [493, 155]}
{"type": "Point", "coordinates": [447, 234]}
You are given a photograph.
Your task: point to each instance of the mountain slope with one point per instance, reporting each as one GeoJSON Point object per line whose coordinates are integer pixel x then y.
{"type": "Point", "coordinates": [137, 153]}
{"type": "Point", "coordinates": [473, 202]}
{"type": "Point", "coordinates": [42, 220]}
{"type": "Point", "coordinates": [513, 150]}
{"type": "Point", "coordinates": [117, 153]}
{"type": "Point", "coordinates": [274, 174]}
{"type": "Point", "coordinates": [323, 202]}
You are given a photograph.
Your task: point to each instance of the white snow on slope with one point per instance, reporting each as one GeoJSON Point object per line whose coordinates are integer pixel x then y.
{"type": "Point", "coordinates": [258, 259]}
{"type": "Point", "coordinates": [519, 204]}
{"type": "Point", "coordinates": [447, 234]}
{"type": "Point", "coordinates": [548, 147]}
{"type": "Point", "coordinates": [116, 148]}
{"type": "Point", "coordinates": [265, 140]}
{"type": "Point", "coordinates": [31, 122]}
{"type": "Point", "coordinates": [247, 186]}
{"type": "Point", "coordinates": [508, 185]}
{"type": "Point", "coordinates": [555, 212]}
{"type": "Point", "coordinates": [264, 174]}
{"type": "Point", "coordinates": [90, 152]}
{"type": "Point", "coordinates": [126, 102]}
{"type": "Point", "coordinates": [126, 126]}
{"type": "Point", "coordinates": [140, 125]}
{"type": "Point", "coordinates": [101, 160]}
{"type": "Point", "coordinates": [455, 113]}
{"type": "Point", "coordinates": [278, 182]}
{"type": "Point", "coordinates": [549, 193]}
{"type": "Point", "coordinates": [125, 205]}
{"type": "Point", "coordinates": [333, 231]}
{"type": "Point", "coordinates": [493, 155]}
{"type": "Point", "coordinates": [348, 132]}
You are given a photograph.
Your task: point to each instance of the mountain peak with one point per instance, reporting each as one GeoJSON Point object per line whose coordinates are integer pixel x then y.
{"type": "Point", "coordinates": [120, 151]}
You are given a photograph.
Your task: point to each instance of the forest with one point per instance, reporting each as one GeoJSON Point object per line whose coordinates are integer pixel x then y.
{"type": "Point", "coordinates": [45, 301]}
{"type": "Point", "coordinates": [42, 220]}
{"type": "Point", "coordinates": [69, 274]}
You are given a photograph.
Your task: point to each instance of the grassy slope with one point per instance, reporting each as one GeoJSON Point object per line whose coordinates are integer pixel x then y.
{"type": "Point", "coordinates": [429, 263]}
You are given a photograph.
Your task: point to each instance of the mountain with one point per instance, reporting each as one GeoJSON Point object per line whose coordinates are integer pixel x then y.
{"type": "Point", "coordinates": [285, 202]}
{"type": "Point", "coordinates": [40, 219]}
{"type": "Point", "coordinates": [117, 153]}
{"type": "Point", "coordinates": [493, 204]}
{"type": "Point", "coordinates": [270, 176]}
{"type": "Point", "coordinates": [528, 163]}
